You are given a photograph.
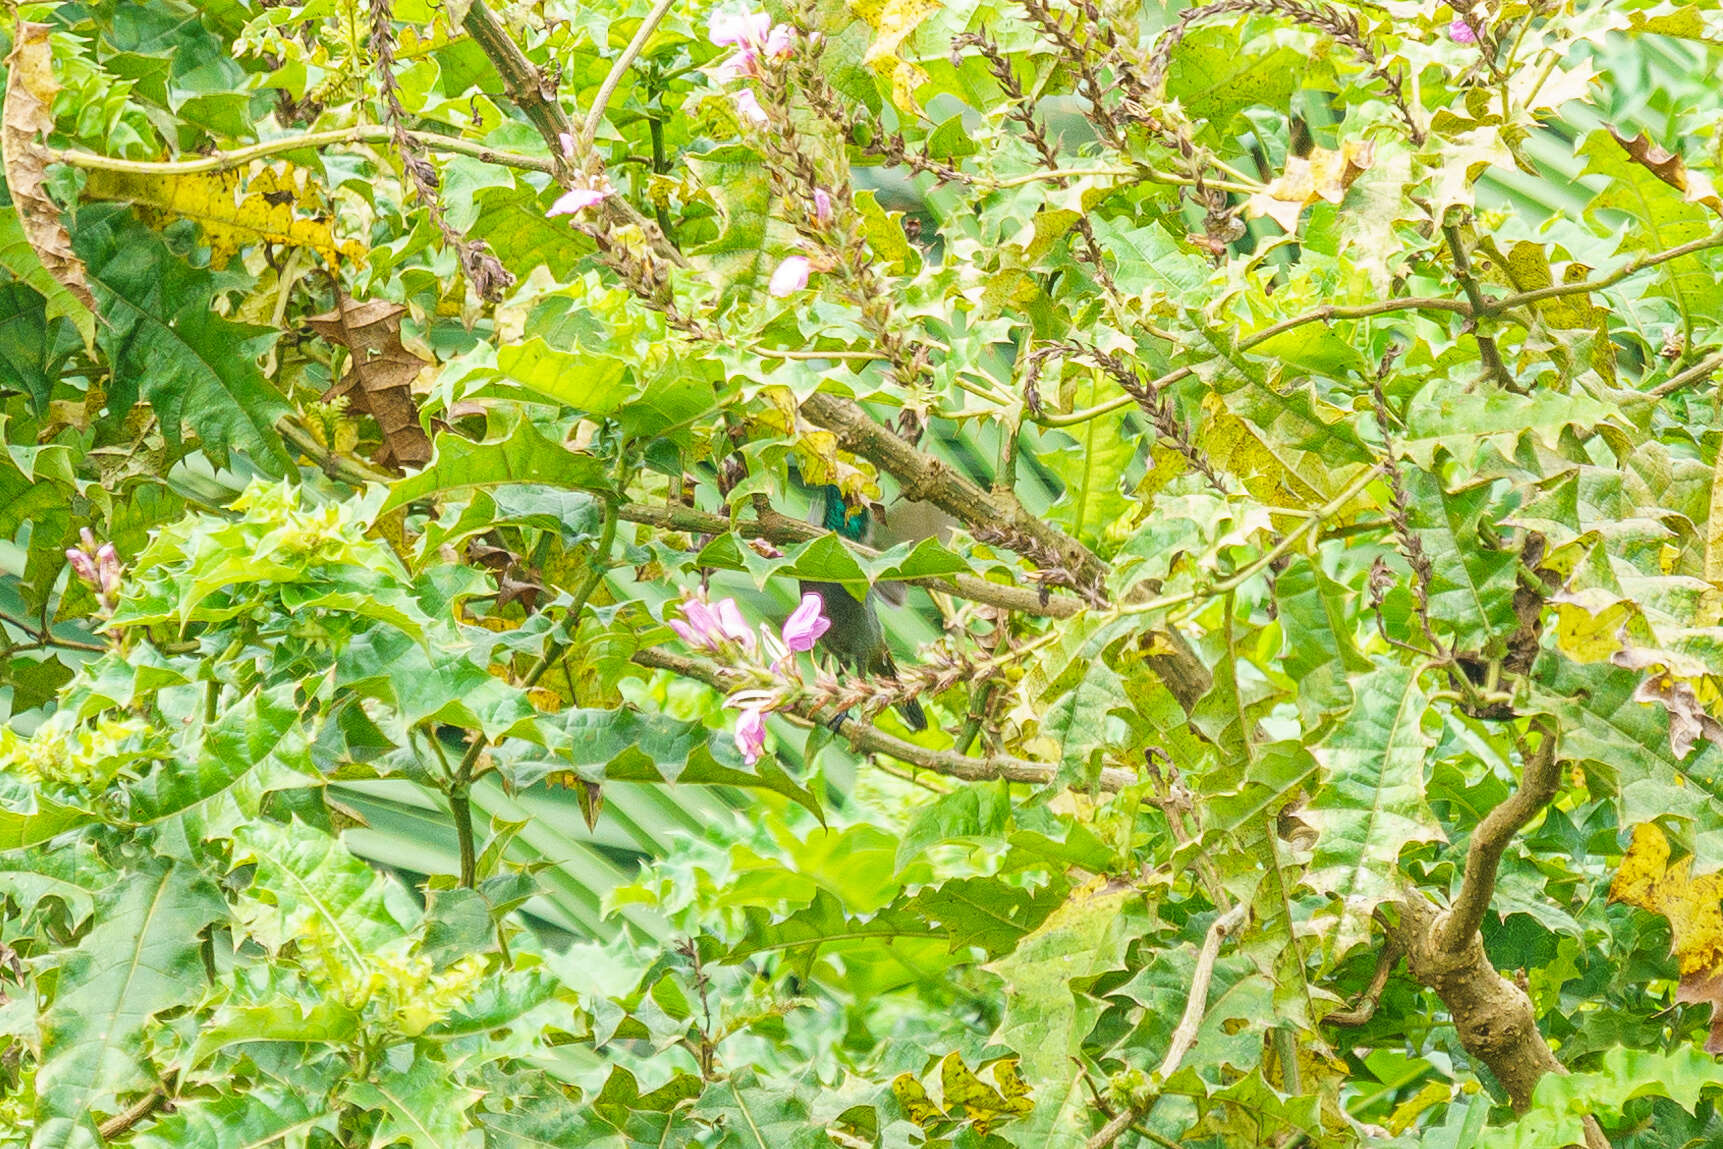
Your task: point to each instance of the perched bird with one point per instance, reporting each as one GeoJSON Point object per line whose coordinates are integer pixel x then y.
{"type": "Point", "coordinates": [856, 638]}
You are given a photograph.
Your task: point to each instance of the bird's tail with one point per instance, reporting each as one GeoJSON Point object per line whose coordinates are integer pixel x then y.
{"type": "Point", "coordinates": [909, 709]}
{"type": "Point", "coordinates": [912, 715]}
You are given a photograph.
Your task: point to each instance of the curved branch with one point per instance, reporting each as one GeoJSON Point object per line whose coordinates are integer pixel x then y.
{"type": "Point", "coordinates": [778, 528]}
{"type": "Point", "coordinates": [529, 91]}
{"type": "Point", "coordinates": [619, 69]}
{"type": "Point", "coordinates": [239, 157]}
{"type": "Point", "coordinates": [1540, 779]}
{"type": "Point", "coordinates": [1196, 1005]}
{"type": "Point", "coordinates": [870, 740]}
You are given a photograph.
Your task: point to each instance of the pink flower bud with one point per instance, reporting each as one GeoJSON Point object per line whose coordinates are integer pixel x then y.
{"type": "Point", "coordinates": [790, 277]}
{"type": "Point", "coordinates": [83, 566]}
{"type": "Point", "coordinates": [1461, 32]}
{"type": "Point", "coordinates": [577, 200]}
{"type": "Point", "coordinates": [751, 735]}
{"type": "Point", "coordinates": [748, 107]}
{"type": "Point", "coordinates": [701, 630]}
{"type": "Point", "coordinates": [567, 142]}
{"type": "Point", "coordinates": [88, 538]}
{"type": "Point", "coordinates": [108, 570]}
{"type": "Point", "coordinates": [822, 206]}
{"type": "Point", "coordinates": [804, 627]}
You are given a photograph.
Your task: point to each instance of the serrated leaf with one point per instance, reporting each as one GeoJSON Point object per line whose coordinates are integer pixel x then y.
{"type": "Point", "coordinates": [142, 956]}
{"type": "Point", "coordinates": [1371, 801]}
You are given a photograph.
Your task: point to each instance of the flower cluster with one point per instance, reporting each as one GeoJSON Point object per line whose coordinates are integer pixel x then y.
{"type": "Point", "coordinates": [719, 628]}
{"type": "Point", "coordinates": [754, 37]}
{"type": "Point", "coordinates": [98, 567]}
{"type": "Point", "coordinates": [576, 199]}
{"type": "Point", "coordinates": [756, 40]}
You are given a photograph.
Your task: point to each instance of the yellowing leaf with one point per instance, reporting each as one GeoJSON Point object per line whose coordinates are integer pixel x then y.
{"type": "Point", "coordinates": [232, 210]}
{"type": "Point", "coordinates": [1323, 175]}
{"type": "Point", "coordinates": [916, 1103]}
{"type": "Point", "coordinates": [1692, 907]}
{"type": "Point", "coordinates": [893, 22]}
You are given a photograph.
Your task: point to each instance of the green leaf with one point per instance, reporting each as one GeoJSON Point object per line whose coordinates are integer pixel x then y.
{"type": "Point", "coordinates": [752, 1112]}
{"type": "Point", "coordinates": [1561, 1102]}
{"type": "Point", "coordinates": [305, 876]}
{"type": "Point", "coordinates": [586, 382]}
{"type": "Point", "coordinates": [264, 1114]}
{"type": "Point", "coordinates": [524, 456]}
{"type": "Point", "coordinates": [1047, 1013]}
{"type": "Point", "coordinates": [160, 329]}
{"type": "Point", "coordinates": [1078, 722]}
{"type": "Point", "coordinates": [1371, 801]}
{"type": "Point", "coordinates": [141, 957]}
{"type": "Point", "coordinates": [419, 1099]}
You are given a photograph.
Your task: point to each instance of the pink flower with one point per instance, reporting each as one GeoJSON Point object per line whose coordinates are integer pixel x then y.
{"type": "Point", "coordinates": [577, 200]}
{"type": "Point", "coordinates": [790, 277]}
{"type": "Point", "coordinates": [778, 43]}
{"type": "Point", "coordinates": [748, 29]}
{"type": "Point", "coordinates": [701, 630]}
{"type": "Point", "coordinates": [748, 106]}
{"type": "Point", "coordinates": [803, 628]}
{"type": "Point", "coordinates": [751, 734]}
{"type": "Point", "coordinates": [822, 206]}
{"type": "Point", "coordinates": [731, 626]}
{"type": "Point", "coordinates": [567, 142]}
{"type": "Point", "coordinates": [1461, 32]}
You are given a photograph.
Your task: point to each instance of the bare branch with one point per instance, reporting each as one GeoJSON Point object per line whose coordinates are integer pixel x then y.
{"type": "Point", "coordinates": [1539, 781]}
{"type": "Point", "coordinates": [358, 134]}
{"type": "Point", "coordinates": [529, 91]}
{"type": "Point", "coordinates": [1196, 1006]}
{"type": "Point", "coordinates": [924, 477]}
{"type": "Point", "coordinates": [1633, 267]}
{"type": "Point", "coordinates": [1366, 1007]}
{"type": "Point", "coordinates": [595, 115]}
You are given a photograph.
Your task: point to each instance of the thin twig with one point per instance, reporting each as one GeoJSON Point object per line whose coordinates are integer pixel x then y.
{"type": "Point", "coordinates": [1697, 373]}
{"type": "Point", "coordinates": [783, 529]}
{"type": "Point", "coordinates": [620, 68]}
{"type": "Point", "coordinates": [128, 1118]}
{"type": "Point", "coordinates": [529, 91]}
{"type": "Point", "coordinates": [1633, 267]}
{"type": "Point", "coordinates": [1365, 1009]}
{"type": "Point", "coordinates": [239, 157]}
{"type": "Point", "coordinates": [1196, 1007]}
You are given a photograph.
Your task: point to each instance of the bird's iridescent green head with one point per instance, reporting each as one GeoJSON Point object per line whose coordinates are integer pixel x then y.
{"type": "Point", "coordinates": [850, 522]}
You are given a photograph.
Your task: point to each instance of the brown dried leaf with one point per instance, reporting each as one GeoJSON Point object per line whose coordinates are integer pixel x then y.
{"type": "Point", "coordinates": [30, 88]}
{"type": "Point", "coordinates": [1669, 167]}
{"type": "Point", "coordinates": [1668, 687]}
{"type": "Point", "coordinates": [379, 378]}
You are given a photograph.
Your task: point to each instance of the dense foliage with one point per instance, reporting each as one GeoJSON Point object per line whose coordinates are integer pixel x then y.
{"type": "Point", "coordinates": [1276, 439]}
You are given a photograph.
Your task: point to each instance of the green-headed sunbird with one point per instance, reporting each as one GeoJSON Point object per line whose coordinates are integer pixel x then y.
{"type": "Point", "coordinates": [856, 638]}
